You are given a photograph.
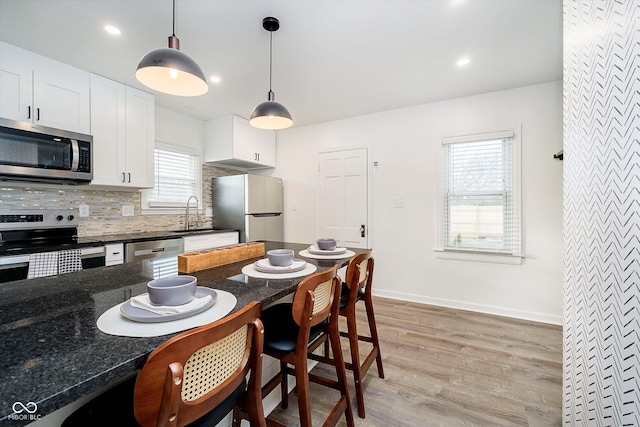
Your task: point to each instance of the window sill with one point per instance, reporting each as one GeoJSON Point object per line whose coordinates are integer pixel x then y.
{"type": "Point", "coordinates": [494, 258]}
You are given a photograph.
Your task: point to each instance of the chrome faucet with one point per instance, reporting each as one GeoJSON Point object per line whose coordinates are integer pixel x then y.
{"type": "Point", "coordinates": [186, 225]}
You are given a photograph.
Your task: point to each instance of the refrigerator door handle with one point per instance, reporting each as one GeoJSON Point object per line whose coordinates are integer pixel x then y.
{"type": "Point", "coordinates": [261, 215]}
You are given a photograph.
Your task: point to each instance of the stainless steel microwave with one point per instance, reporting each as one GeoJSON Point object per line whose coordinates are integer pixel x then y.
{"type": "Point", "coordinates": [36, 153]}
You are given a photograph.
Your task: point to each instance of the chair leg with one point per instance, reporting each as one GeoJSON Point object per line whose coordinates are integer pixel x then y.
{"type": "Point", "coordinates": [352, 333]}
{"type": "Point", "coordinates": [341, 373]}
{"type": "Point", "coordinates": [371, 318]}
{"type": "Point", "coordinates": [284, 385]}
{"type": "Point", "coordinates": [302, 389]}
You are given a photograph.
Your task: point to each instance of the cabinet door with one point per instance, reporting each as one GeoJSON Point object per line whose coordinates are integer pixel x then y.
{"type": "Point", "coordinates": [108, 129]}
{"type": "Point", "coordinates": [140, 137]}
{"type": "Point", "coordinates": [16, 90]}
{"type": "Point", "coordinates": [243, 141]}
{"type": "Point", "coordinates": [265, 145]}
{"type": "Point", "coordinates": [62, 104]}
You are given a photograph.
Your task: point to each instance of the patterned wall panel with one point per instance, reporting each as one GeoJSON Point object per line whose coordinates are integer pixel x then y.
{"type": "Point", "coordinates": [601, 385]}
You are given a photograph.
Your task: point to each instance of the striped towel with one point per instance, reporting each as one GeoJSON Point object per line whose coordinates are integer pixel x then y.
{"type": "Point", "coordinates": [43, 264]}
{"type": "Point", "coordinates": [69, 261]}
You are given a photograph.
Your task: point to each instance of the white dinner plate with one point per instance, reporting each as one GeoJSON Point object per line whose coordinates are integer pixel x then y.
{"type": "Point", "coordinates": [141, 315]}
{"type": "Point", "coordinates": [314, 249]}
{"type": "Point", "coordinates": [265, 266]}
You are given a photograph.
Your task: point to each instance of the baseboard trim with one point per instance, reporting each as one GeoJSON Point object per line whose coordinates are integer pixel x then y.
{"type": "Point", "coordinates": [462, 305]}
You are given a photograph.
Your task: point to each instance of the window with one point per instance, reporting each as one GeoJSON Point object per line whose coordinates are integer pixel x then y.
{"type": "Point", "coordinates": [479, 190]}
{"type": "Point", "coordinates": [177, 176]}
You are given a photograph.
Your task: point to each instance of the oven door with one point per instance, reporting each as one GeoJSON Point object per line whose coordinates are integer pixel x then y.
{"type": "Point", "coordinates": [16, 267]}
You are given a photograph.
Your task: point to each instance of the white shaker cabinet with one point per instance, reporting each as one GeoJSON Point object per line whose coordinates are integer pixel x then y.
{"type": "Point", "coordinates": [122, 124]}
{"type": "Point", "coordinates": [231, 142]}
{"type": "Point", "coordinates": [39, 90]}
{"type": "Point", "coordinates": [200, 242]}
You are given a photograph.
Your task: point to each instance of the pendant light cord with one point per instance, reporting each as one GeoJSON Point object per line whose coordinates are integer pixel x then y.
{"type": "Point", "coordinates": [173, 29]}
{"type": "Point", "coordinates": [270, 57]}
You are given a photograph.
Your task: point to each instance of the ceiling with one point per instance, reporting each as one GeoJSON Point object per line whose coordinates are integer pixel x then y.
{"type": "Point", "coordinates": [331, 59]}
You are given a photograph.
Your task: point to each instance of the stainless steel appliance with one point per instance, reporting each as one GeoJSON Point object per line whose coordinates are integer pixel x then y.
{"type": "Point", "coordinates": [251, 204]}
{"type": "Point", "coordinates": [30, 231]}
{"type": "Point", "coordinates": [137, 251]}
{"type": "Point", "coordinates": [30, 152]}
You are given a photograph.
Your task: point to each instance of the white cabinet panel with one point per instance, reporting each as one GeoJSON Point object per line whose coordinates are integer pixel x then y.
{"type": "Point", "coordinates": [231, 142]}
{"type": "Point", "coordinates": [122, 122]}
{"type": "Point", "coordinates": [42, 91]}
{"type": "Point", "coordinates": [200, 242]}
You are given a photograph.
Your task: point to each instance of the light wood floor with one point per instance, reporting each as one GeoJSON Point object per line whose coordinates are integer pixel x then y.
{"type": "Point", "coordinates": [447, 367]}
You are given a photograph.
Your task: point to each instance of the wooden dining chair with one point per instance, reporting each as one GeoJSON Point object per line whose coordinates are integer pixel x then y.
{"type": "Point", "coordinates": [357, 287]}
{"type": "Point", "coordinates": [195, 378]}
{"type": "Point", "coordinates": [294, 330]}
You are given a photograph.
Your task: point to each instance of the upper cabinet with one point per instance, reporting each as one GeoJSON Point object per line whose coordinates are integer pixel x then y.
{"type": "Point", "coordinates": [231, 142]}
{"type": "Point", "coordinates": [122, 124]}
{"type": "Point", "coordinates": [42, 91]}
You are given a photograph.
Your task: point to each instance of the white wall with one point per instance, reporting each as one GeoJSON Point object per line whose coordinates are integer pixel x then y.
{"type": "Point", "coordinates": [403, 143]}
{"type": "Point", "coordinates": [178, 129]}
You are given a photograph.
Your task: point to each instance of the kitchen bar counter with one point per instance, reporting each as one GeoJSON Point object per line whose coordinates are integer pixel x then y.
{"type": "Point", "coordinates": [51, 350]}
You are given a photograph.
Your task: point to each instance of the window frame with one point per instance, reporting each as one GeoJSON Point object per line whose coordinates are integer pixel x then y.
{"type": "Point", "coordinates": [148, 208]}
{"type": "Point", "coordinates": [480, 254]}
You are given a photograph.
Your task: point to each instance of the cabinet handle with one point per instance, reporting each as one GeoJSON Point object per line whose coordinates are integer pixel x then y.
{"type": "Point", "coordinates": [38, 114]}
{"type": "Point", "coordinates": [129, 177]}
{"type": "Point", "coordinates": [123, 177]}
{"type": "Point", "coordinates": [362, 229]}
{"type": "Point", "coordinates": [29, 112]}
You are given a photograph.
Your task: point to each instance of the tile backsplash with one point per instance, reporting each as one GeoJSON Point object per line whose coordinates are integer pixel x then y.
{"type": "Point", "coordinates": [105, 206]}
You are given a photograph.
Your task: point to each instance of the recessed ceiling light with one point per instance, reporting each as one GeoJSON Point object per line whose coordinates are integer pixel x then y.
{"type": "Point", "coordinates": [215, 79]}
{"type": "Point", "coordinates": [112, 30]}
{"type": "Point", "coordinates": [463, 61]}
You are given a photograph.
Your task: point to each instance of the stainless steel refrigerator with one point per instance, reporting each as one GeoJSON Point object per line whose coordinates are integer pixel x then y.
{"type": "Point", "coordinates": [251, 204]}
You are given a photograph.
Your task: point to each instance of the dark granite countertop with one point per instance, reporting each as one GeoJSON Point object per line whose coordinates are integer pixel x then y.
{"type": "Point", "coordinates": [51, 350]}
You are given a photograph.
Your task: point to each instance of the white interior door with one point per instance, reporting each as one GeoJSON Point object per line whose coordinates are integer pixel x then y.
{"type": "Point", "coordinates": [343, 197]}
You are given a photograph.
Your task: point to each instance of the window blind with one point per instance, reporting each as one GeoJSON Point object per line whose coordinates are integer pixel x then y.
{"type": "Point", "coordinates": [480, 210]}
{"type": "Point", "coordinates": [176, 178]}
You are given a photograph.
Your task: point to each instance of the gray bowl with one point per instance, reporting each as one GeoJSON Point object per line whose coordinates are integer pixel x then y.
{"type": "Point", "coordinates": [280, 257]}
{"type": "Point", "coordinates": [175, 290]}
{"type": "Point", "coordinates": [326, 244]}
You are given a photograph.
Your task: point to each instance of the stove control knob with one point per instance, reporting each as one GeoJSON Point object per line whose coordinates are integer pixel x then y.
{"type": "Point", "coordinates": [59, 218]}
{"type": "Point", "coordinates": [70, 217]}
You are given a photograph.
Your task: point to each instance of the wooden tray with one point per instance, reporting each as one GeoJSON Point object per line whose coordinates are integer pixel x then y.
{"type": "Point", "coordinates": [202, 260]}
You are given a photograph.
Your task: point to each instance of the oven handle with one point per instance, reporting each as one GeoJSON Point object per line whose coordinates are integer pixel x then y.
{"type": "Point", "coordinates": [18, 260]}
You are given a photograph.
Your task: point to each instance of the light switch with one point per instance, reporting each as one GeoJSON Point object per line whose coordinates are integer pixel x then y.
{"type": "Point", "coordinates": [398, 203]}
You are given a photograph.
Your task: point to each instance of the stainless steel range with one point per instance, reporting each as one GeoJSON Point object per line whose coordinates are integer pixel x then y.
{"type": "Point", "coordinates": [24, 233]}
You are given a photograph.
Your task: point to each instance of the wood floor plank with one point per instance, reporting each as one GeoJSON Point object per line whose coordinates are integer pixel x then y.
{"type": "Point", "coordinates": [447, 367]}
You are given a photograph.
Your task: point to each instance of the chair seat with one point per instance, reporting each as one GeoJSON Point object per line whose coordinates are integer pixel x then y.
{"type": "Point", "coordinates": [344, 295]}
{"type": "Point", "coordinates": [115, 408]}
{"type": "Point", "coordinates": [281, 331]}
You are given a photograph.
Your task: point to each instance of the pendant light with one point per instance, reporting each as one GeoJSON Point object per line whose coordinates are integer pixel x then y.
{"type": "Point", "coordinates": [270, 114]}
{"type": "Point", "coordinates": [168, 70]}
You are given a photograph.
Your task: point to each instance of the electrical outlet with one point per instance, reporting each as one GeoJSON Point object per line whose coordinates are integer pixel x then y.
{"type": "Point", "coordinates": [208, 212]}
{"type": "Point", "coordinates": [398, 203]}
{"type": "Point", "coordinates": [83, 211]}
{"type": "Point", "coordinates": [127, 210]}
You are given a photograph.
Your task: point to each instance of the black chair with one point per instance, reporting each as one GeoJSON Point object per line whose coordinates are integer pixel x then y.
{"type": "Point", "coordinates": [293, 331]}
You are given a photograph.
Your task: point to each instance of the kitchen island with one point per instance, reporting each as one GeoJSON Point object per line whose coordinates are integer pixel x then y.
{"type": "Point", "coordinates": [51, 350]}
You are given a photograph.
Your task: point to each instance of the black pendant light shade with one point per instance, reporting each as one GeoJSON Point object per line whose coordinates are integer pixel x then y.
{"type": "Point", "coordinates": [170, 71]}
{"type": "Point", "coordinates": [270, 114]}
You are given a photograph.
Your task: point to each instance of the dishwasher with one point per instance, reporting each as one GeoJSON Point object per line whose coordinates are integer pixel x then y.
{"type": "Point", "coordinates": [150, 249]}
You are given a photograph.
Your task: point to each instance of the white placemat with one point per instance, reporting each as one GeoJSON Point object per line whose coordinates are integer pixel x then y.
{"type": "Point", "coordinates": [305, 253]}
{"type": "Point", "coordinates": [250, 271]}
{"type": "Point", "coordinates": [112, 322]}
